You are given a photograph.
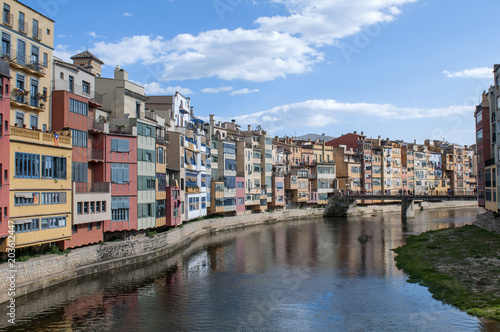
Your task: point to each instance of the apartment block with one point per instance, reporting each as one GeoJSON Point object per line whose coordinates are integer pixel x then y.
{"type": "Point", "coordinates": [5, 148]}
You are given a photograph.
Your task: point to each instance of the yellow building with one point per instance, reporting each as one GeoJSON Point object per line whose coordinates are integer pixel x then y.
{"type": "Point", "coordinates": [40, 186]}
{"type": "Point", "coordinates": [28, 43]}
{"type": "Point", "coordinates": [40, 161]}
{"type": "Point", "coordinates": [161, 183]}
{"type": "Point", "coordinates": [490, 188]}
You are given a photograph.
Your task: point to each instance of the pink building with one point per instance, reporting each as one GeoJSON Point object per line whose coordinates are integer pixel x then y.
{"type": "Point", "coordinates": [240, 195]}
{"type": "Point", "coordinates": [120, 153]}
{"type": "Point", "coordinates": [278, 201]}
{"type": "Point", "coordinates": [173, 206]}
{"type": "Point", "coordinates": [4, 148]}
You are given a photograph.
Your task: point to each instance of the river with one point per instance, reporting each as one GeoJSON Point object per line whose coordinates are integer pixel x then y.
{"type": "Point", "coordinates": [305, 275]}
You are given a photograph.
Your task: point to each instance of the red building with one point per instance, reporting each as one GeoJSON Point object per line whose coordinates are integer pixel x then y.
{"type": "Point", "coordinates": [74, 109]}
{"type": "Point", "coordinates": [349, 140]}
{"type": "Point", "coordinates": [4, 148]}
{"type": "Point", "coordinates": [483, 144]}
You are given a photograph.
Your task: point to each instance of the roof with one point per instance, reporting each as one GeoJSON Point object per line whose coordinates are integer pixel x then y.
{"type": "Point", "coordinates": [87, 55]}
{"type": "Point", "coordinates": [19, 2]}
{"type": "Point", "coordinates": [314, 137]}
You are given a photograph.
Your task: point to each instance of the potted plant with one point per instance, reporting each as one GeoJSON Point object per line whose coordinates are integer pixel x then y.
{"type": "Point", "coordinates": [40, 96]}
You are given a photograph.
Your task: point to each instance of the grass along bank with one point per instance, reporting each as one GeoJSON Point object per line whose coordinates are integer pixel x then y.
{"type": "Point", "coordinates": [460, 266]}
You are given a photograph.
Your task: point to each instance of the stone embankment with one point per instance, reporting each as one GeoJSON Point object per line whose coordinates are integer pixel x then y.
{"type": "Point", "coordinates": [489, 222]}
{"type": "Point", "coordinates": [45, 271]}
{"type": "Point", "coordinates": [419, 206]}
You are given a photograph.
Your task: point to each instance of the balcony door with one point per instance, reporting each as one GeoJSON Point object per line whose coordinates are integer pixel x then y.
{"type": "Point", "coordinates": [21, 52]}
{"type": "Point", "coordinates": [34, 93]}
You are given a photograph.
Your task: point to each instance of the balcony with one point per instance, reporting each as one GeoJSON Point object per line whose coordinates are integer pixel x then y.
{"type": "Point", "coordinates": [29, 64]}
{"type": "Point", "coordinates": [162, 140]}
{"type": "Point", "coordinates": [95, 155]}
{"type": "Point", "coordinates": [63, 139]}
{"type": "Point", "coordinates": [98, 126]}
{"type": "Point", "coordinates": [192, 190]}
{"type": "Point", "coordinates": [37, 33]}
{"type": "Point", "coordinates": [21, 98]}
{"type": "Point", "coordinates": [8, 19]}
{"type": "Point", "coordinates": [80, 90]}
{"type": "Point", "coordinates": [23, 26]}
{"type": "Point", "coordinates": [92, 187]}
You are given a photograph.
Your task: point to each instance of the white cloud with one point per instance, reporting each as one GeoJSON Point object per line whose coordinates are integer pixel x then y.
{"type": "Point", "coordinates": [129, 50]}
{"type": "Point", "coordinates": [155, 88]}
{"type": "Point", "coordinates": [63, 52]}
{"type": "Point", "coordinates": [323, 22]}
{"type": "Point", "coordinates": [95, 35]}
{"type": "Point", "coordinates": [321, 113]}
{"type": "Point", "coordinates": [482, 72]}
{"type": "Point", "coordinates": [277, 47]}
{"type": "Point", "coordinates": [217, 90]}
{"type": "Point", "coordinates": [243, 91]}
{"type": "Point", "coordinates": [127, 14]}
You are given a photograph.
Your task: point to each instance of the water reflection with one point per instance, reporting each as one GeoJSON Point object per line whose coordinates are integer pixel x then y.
{"type": "Point", "coordinates": [302, 275]}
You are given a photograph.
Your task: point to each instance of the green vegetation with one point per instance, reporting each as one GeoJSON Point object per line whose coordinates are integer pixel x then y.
{"type": "Point", "coordinates": [151, 233]}
{"type": "Point", "coordinates": [461, 266]}
{"type": "Point", "coordinates": [22, 255]}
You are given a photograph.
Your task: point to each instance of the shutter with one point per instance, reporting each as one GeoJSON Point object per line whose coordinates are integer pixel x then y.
{"type": "Point", "coordinates": [126, 173]}
{"type": "Point", "coordinates": [114, 174]}
{"type": "Point", "coordinates": [114, 145]}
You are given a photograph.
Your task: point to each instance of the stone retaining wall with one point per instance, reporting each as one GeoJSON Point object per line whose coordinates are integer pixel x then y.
{"type": "Point", "coordinates": [419, 206]}
{"type": "Point", "coordinates": [48, 270]}
{"type": "Point", "coordinates": [488, 221]}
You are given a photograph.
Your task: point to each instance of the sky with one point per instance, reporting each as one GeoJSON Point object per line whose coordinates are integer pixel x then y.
{"type": "Point", "coordinates": [401, 69]}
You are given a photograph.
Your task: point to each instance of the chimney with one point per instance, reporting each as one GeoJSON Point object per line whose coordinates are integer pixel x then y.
{"type": "Point", "coordinates": [233, 121]}
{"type": "Point", "coordinates": [120, 74]}
{"type": "Point", "coordinates": [355, 132]}
{"type": "Point", "coordinates": [212, 120]}
{"type": "Point", "coordinates": [362, 134]}
{"type": "Point", "coordinates": [379, 140]}
{"type": "Point", "coordinates": [249, 127]}
{"type": "Point", "coordinates": [191, 112]}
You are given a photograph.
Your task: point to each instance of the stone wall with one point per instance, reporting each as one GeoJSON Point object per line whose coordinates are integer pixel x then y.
{"type": "Point", "coordinates": [396, 208]}
{"type": "Point", "coordinates": [45, 271]}
{"type": "Point", "coordinates": [488, 221]}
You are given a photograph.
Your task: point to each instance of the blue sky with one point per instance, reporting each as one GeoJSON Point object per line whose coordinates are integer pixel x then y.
{"type": "Point", "coordinates": [403, 69]}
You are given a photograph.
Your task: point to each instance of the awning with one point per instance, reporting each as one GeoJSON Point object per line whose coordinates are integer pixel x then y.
{"type": "Point", "coordinates": [24, 195]}
{"type": "Point", "coordinates": [23, 221]}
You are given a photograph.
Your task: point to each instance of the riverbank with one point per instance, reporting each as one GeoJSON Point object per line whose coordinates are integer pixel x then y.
{"type": "Point", "coordinates": [49, 270]}
{"type": "Point", "coordinates": [460, 266]}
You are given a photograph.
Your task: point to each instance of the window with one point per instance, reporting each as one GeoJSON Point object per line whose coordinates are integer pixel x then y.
{"type": "Point", "coordinates": [54, 198]}
{"type": "Point", "coordinates": [103, 206]}
{"type": "Point", "coordinates": [161, 155]}
{"type": "Point", "coordinates": [19, 119]}
{"type": "Point", "coordinates": [79, 172]}
{"type": "Point", "coordinates": [37, 33]}
{"type": "Point", "coordinates": [240, 201]}
{"type": "Point", "coordinates": [34, 121]}
{"type": "Point", "coordinates": [53, 222]}
{"type": "Point", "coordinates": [240, 185]}
{"type": "Point", "coordinates": [86, 87]}
{"type": "Point", "coordinates": [86, 207]}
{"type": "Point", "coordinates": [48, 31]}
{"type": "Point", "coordinates": [6, 45]}
{"type": "Point", "coordinates": [27, 165]}
{"type": "Point", "coordinates": [6, 14]}
{"type": "Point", "coordinates": [77, 106]}
{"type": "Point", "coordinates": [26, 199]}
{"type": "Point", "coordinates": [1, 127]}
{"type": "Point", "coordinates": [160, 209]}
{"type": "Point", "coordinates": [145, 210]}
{"type": "Point", "coordinates": [53, 167]}
{"type": "Point", "coordinates": [45, 60]}
{"type": "Point", "coordinates": [20, 80]}
{"type": "Point", "coordinates": [61, 75]}
{"type": "Point", "coordinates": [119, 173]}
{"type": "Point", "coordinates": [79, 138]}
{"type": "Point", "coordinates": [98, 225]}
{"type": "Point", "coordinates": [146, 183]}
{"type": "Point", "coordinates": [138, 110]}
{"type": "Point", "coordinates": [98, 206]}
{"type": "Point", "coordinates": [119, 145]}
{"type": "Point", "coordinates": [26, 225]}
{"type": "Point", "coordinates": [479, 116]}
{"type": "Point", "coordinates": [479, 136]}
{"type": "Point", "coordinates": [89, 226]}
{"type": "Point", "coordinates": [21, 52]}
{"type": "Point", "coordinates": [79, 208]}
{"type": "Point", "coordinates": [71, 86]}
{"type": "Point", "coordinates": [74, 229]}
{"type": "Point", "coordinates": [92, 207]}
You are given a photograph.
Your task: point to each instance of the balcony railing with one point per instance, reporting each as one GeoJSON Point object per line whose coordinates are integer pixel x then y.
{"type": "Point", "coordinates": [37, 33]}
{"type": "Point", "coordinates": [27, 135]}
{"type": "Point", "coordinates": [28, 63]}
{"type": "Point", "coordinates": [98, 126]}
{"type": "Point", "coordinates": [81, 90]}
{"type": "Point", "coordinates": [8, 18]}
{"type": "Point", "coordinates": [25, 97]}
{"type": "Point", "coordinates": [96, 154]}
{"type": "Point", "coordinates": [23, 26]}
{"type": "Point", "coordinates": [93, 187]}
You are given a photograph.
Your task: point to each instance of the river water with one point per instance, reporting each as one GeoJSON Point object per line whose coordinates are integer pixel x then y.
{"type": "Point", "coordinates": [305, 275]}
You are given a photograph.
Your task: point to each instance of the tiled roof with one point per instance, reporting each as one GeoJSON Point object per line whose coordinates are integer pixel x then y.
{"type": "Point", "coordinates": [86, 55]}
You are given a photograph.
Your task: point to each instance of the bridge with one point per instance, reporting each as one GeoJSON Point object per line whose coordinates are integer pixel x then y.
{"type": "Point", "coordinates": [407, 201]}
